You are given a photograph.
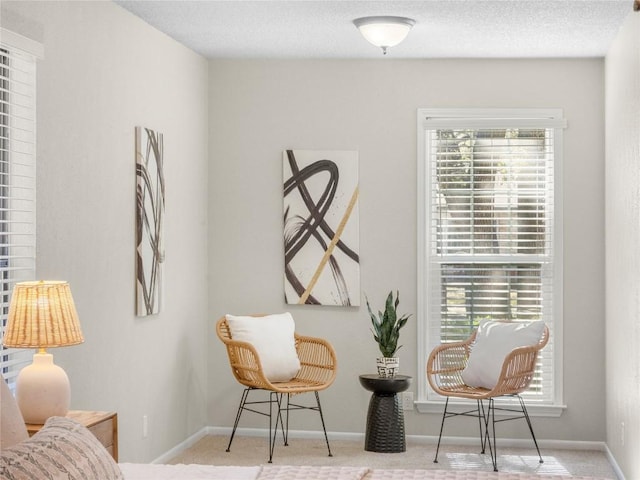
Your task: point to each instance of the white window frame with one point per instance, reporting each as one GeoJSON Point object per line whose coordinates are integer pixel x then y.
{"type": "Point", "coordinates": [18, 262]}
{"type": "Point", "coordinates": [428, 119]}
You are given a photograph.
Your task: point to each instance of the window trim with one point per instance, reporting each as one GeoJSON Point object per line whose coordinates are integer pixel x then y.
{"type": "Point", "coordinates": [20, 42]}
{"type": "Point", "coordinates": [427, 118]}
{"type": "Point", "coordinates": [29, 52]}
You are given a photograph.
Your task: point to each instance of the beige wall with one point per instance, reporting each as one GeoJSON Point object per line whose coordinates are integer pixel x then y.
{"type": "Point", "coordinates": [105, 72]}
{"type": "Point", "coordinates": [622, 251]}
{"type": "Point", "coordinates": [259, 108]}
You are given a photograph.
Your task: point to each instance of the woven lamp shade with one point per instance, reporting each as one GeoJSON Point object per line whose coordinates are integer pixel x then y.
{"type": "Point", "coordinates": [42, 314]}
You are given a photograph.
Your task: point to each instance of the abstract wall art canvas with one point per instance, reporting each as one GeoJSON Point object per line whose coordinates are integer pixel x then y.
{"type": "Point", "coordinates": [149, 220]}
{"type": "Point", "coordinates": [321, 231]}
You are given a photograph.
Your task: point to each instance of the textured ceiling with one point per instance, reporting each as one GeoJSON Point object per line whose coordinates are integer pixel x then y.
{"type": "Point", "coordinates": [444, 28]}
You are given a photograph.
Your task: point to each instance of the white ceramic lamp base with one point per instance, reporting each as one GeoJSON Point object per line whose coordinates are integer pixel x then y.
{"type": "Point", "coordinates": [42, 390]}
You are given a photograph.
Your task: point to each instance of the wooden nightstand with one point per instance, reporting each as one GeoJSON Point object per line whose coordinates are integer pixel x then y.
{"type": "Point", "coordinates": [104, 425]}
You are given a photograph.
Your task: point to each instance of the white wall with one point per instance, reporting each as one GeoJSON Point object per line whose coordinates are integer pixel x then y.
{"type": "Point", "coordinates": [259, 108]}
{"type": "Point", "coordinates": [105, 72]}
{"type": "Point", "coordinates": [622, 241]}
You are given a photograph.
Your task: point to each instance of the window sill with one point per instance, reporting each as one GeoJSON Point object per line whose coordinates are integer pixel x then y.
{"type": "Point", "coordinates": [432, 406]}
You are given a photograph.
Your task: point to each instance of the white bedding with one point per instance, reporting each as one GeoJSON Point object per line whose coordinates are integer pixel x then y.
{"type": "Point", "coordinates": [290, 472]}
{"type": "Point", "coordinates": [139, 471]}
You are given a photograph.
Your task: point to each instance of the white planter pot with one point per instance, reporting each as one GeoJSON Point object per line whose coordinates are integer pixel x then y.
{"type": "Point", "coordinates": [387, 366]}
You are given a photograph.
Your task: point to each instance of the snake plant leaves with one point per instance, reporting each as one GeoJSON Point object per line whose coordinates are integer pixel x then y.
{"type": "Point", "coordinates": [386, 325]}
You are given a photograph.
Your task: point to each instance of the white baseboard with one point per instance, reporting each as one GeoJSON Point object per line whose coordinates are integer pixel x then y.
{"type": "Point", "coordinates": [417, 439]}
{"type": "Point", "coordinates": [614, 464]}
{"type": "Point", "coordinates": [262, 432]}
{"type": "Point", "coordinates": [182, 446]}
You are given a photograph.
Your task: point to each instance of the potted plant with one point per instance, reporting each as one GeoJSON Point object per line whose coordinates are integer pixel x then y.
{"type": "Point", "coordinates": [386, 331]}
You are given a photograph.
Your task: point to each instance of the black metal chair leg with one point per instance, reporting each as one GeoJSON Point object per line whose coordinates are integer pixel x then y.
{"type": "Point", "coordinates": [526, 416]}
{"type": "Point", "coordinates": [493, 451]}
{"type": "Point", "coordinates": [485, 439]}
{"type": "Point", "coordinates": [276, 411]}
{"type": "Point", "coordinates": [243, 400]}
{"type": "Point", "coordinates": [285, 430]}
{"type": "Point", "coordinates": [444, 415]}
{"type": "Point", "coordinates": [276, 398]}
{"type": "Point", "coordinates": [326, 438]}
{"type": "Point", "coordinates": [481, 417]}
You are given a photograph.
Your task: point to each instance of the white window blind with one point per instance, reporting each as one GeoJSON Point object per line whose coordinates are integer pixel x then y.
{"type": "Point", "coordinates": [17, 185]}
{"type": "Point", "coordinates": [489, 230]}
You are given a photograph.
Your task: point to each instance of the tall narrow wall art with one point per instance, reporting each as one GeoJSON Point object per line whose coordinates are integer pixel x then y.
{"type": "Point", "coordinates": [321, 230]}
{"type": "Point", "coordinates": [149, 220]}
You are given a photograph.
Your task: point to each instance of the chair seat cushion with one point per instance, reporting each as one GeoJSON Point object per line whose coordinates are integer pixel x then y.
{"type": "Point", "coordinates": [494, 341]}
{"type": "Point", "coordinates": [273, 338]}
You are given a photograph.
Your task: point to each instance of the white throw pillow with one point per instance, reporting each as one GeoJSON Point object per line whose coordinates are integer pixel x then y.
{"type": "Point", "coordinates": [273, 338]}
{"type": "Point", "coordinates": [494, 341]}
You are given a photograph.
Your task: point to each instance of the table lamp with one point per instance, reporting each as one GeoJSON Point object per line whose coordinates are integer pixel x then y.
{"type": "Point", "coordinates": [42, 314]}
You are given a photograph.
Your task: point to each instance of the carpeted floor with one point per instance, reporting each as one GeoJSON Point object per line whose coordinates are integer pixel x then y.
{"type": "Point", "coordinates": [247, 451]}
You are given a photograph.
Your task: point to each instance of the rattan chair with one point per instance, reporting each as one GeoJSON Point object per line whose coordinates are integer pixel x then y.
{"type": "Point", "coordinates": [317, 372]}
{"type": "Point", "coordinates": [444, 373]}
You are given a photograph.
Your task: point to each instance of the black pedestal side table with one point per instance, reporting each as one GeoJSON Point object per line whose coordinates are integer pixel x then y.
{"type": "Point", "coordinates": [385, 419]}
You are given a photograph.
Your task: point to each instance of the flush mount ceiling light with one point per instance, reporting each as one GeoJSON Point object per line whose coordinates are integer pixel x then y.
{"type": "Point", "coordinates": [384, 32]}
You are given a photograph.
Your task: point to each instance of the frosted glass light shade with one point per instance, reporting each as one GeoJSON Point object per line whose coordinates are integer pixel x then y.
{"type": "Point", "coordinates": [384, 31]}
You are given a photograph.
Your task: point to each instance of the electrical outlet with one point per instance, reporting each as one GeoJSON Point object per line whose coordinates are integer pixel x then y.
{"type": "Point", "coordinates": [145, 426]}
{"type": "Point", "coordinates": [407, 400]}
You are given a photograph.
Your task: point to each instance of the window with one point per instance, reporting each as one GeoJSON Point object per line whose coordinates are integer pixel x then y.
{"type": "Point", "coordinates": [17, 181]}
{"type": "Point", "coordinates": [490, 231]}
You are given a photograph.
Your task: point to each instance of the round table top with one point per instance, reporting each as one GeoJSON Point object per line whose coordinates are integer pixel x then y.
{"type": "Point", "coordinates": [375, 383]}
